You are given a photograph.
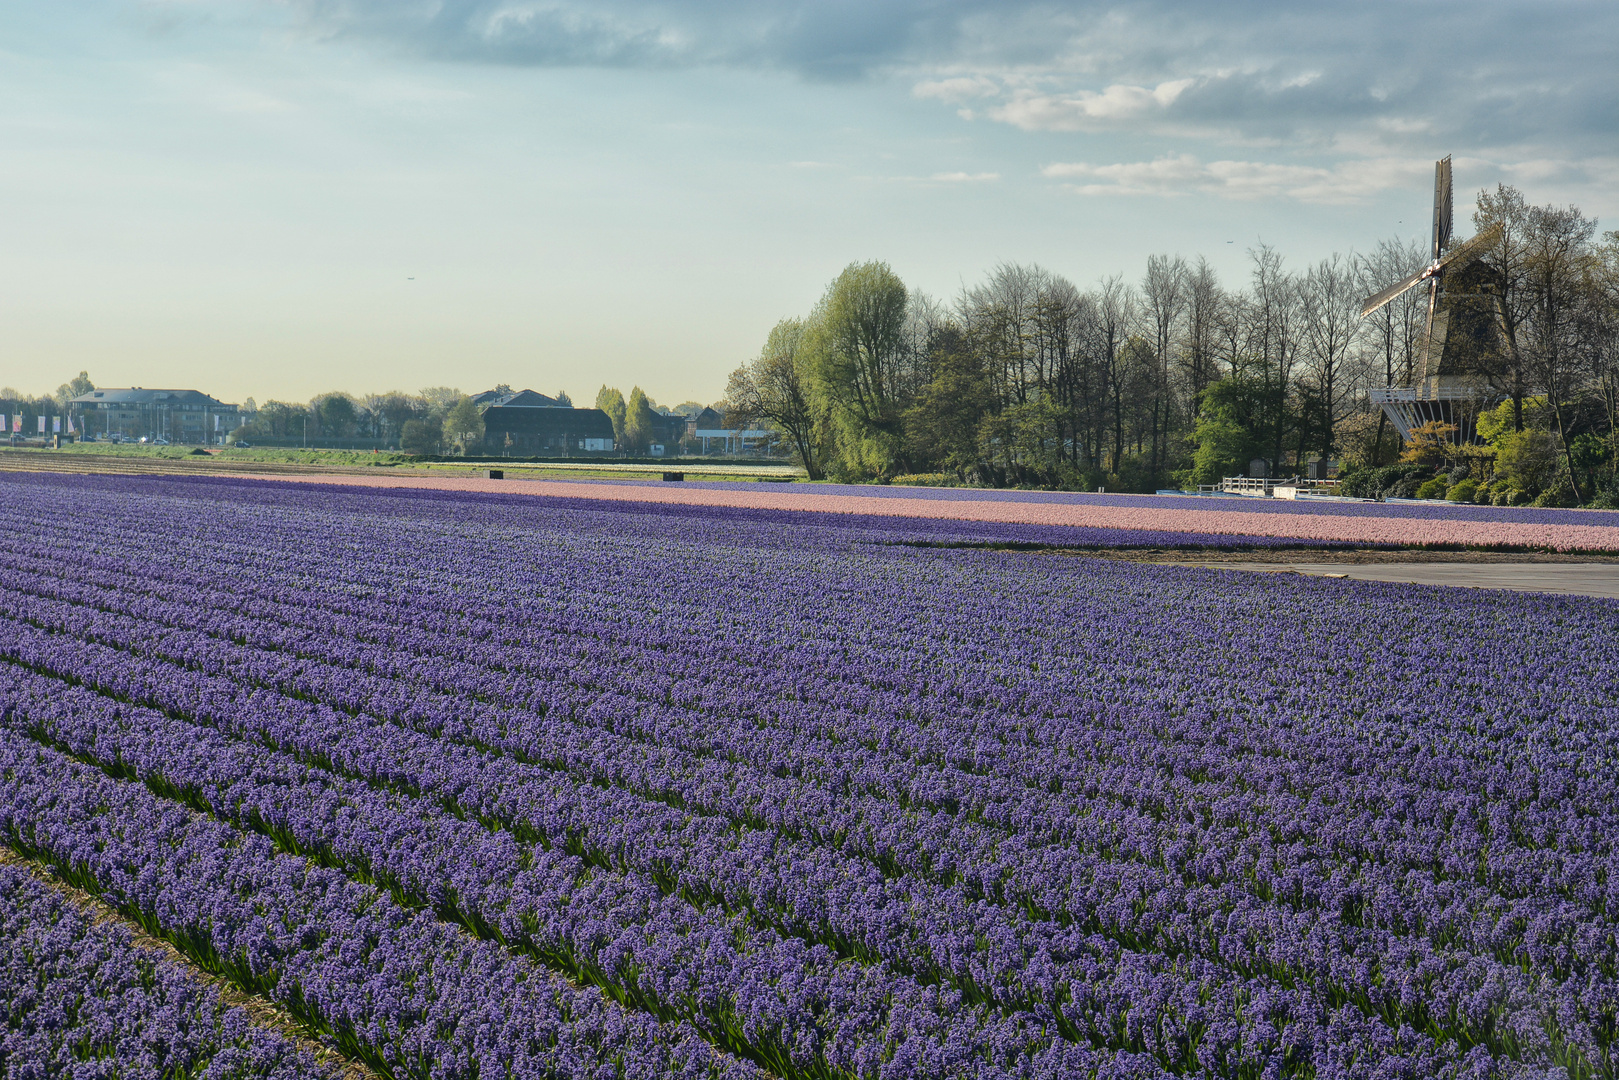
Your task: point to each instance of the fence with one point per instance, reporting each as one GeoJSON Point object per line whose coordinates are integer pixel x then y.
{"type": "Point", "coordinates": [1262, 487]}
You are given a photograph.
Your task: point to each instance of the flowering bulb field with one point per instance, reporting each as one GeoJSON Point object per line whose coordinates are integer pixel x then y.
{"type": "Point", "coordinates": [498, 786]}
{"type": "Point", "coordinates": [1313, 522]}
{"type": "Point", "coordinates": [73, 994]}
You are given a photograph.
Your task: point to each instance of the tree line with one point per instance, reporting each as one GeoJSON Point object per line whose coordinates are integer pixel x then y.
{"type": "Point", "coordinates": [30, 407]}
{"type": "Point", "coordinates": [1177, 378]}
{"type": "Point", "coordinates": [436, 420]}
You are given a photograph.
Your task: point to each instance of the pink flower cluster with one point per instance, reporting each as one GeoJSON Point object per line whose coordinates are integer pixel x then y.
{"type": "Point", "coordinates": [1403, 531]}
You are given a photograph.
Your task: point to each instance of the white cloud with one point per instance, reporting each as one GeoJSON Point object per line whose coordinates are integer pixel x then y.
{"type": "Point", "coordinates": [965, 177]}
{"type": "Point", "coordinates": [1184, 174]}
{"type": "Point", "coordinates": [1119, 103]}
{"type": "Point", "coordinates": [956, 90]}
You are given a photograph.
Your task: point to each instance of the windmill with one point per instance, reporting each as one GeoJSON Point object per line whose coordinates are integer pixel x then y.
{"type": "Point", "coordinates": [1443, 381]}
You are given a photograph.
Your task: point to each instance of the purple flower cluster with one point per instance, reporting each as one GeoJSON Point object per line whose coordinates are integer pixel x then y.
{"type": "Point", "coordinates": [795, 804]}
{"type": "Point", "coordinates": [79, 999]}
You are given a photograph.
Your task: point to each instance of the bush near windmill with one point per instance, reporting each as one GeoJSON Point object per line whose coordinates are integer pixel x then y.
{"type": "Point", "coordinates": [1506, 467]}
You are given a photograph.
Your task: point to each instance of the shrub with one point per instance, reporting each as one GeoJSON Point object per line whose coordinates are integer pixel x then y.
{"type": "Point", "coordinates": [1528, 459]}
{"type": "Point", "coordinates": [1559, 494]}
{"type": "Point", "coordinates": [1367, 483]}
{"type": "Point", "coordinates": [1463, 491]}
{"type": "Point", "coordinates": [1433, 489]}
{"type": "Point", "coordinates": [1406, 487]}
{"type": "Point", "coordinates": [1607, 497]}
{"type": "Point", "coordinates": [1357, 481]}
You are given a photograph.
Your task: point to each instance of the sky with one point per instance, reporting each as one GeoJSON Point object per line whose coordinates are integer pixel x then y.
{"type": "Point", "coordinates": [279, 198]}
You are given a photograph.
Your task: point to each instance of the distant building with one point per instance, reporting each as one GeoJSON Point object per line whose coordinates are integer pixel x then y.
{"type": "Point", "coordinates": [516, 399]}
{"type": "Point", "coordinates": [667, 431]}
{"type": "Point", "coordinates": [715, 432]}
{"type": "Point", "coordinates": [523, 423]}
{"type": "Point", "coordinates": [180, 416]}
{"type": "Point", "coordinates": [708, 419]}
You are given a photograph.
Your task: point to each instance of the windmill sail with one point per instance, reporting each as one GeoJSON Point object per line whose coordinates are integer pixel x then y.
{"type": "Point", "coordinates": [1378, 299]}
{"type": "Point", "coordinates": [1443, 207]}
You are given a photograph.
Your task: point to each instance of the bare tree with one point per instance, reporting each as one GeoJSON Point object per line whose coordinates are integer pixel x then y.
{"type": "Point", "coordinates": [1000, 315]}
{"type": "Point", "coordinates": [1163, 295]}
{"type": "Point", "coordinates": [1559, 265]}
{"type": "Point", "coordinates": [1273, 336]}
{"type": "Point", "coordinates": [1205, 308]}
{"type": "Point", "coordinates": [1115, 310]}
{"type": "Point", "coordinates": [1509, 259]}
{"type": "Point", "coordinates": [1330, 300]}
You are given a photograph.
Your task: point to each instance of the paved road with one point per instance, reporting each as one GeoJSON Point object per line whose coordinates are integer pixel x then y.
{"type": "Point", "coordinates": [1577, 579]}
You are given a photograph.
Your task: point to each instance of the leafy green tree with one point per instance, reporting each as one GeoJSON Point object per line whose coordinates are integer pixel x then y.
{"type": "Point", "coordinates": [638, 422]}
{"type": "Point", "coordinates": [439, 400]}
{"type": "Point", "coordinates": [79, 384]}
{"type": "Point", "coordinates": [396, 410]}
{"type": "Point", "coordinates": [564, 400]}
{"type": "Point", "coordinates": [942, 428]}
{"type": "Point", "coordinates": [333, 414]}
{"type": "Point", "coordinates": [611, 402]}
{"type": "Point", "coordinates": [856, 351]}
{"type": "Point", "coordinates": [423, 437]}
{"type": "Point", "coordinates": [1528, 460]}
{"type": "Point", "coordinates": [1229, 432]}
{"type": "Point", "coordinates": [279, 420]}
{"type": "Point", "coordinates": [463, 425]}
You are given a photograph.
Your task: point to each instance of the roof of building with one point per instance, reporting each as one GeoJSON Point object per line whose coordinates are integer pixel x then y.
{"type": "Point", "coordinates": [527, 420]}
{"type": "Point", "coordinates": [519, 399]}
{"type": "Point", "coordinates": [136, 395]}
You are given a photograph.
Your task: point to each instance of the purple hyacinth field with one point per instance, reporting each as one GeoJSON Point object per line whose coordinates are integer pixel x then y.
{"type": "Point", "coordinates": [476, 786]}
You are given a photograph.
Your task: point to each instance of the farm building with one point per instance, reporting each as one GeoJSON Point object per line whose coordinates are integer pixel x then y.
{"type": "Point", "coordinates": [527, 424]}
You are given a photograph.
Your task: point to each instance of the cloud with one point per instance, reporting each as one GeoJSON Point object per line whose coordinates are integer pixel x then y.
{"type": "Point", "coordinates": [965, 177]}
{"type": "Point", "coordinates": [1258, 72]}
{"type": "Point", "coordinates": [1184, 174]}
{"type": "Point", "coordinates": [836, 39]}
{"type": "Point", "coordinates": [957, 90]}
{"type": "Point", "coordinates": [1087, 109]}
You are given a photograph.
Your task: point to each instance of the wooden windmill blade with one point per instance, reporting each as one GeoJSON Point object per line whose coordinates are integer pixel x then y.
{"type": "Point", "coordinates": [1443, 207]}
{"type": "Point", "coordinates": [1433, 339]}
{"type": "Point", "coordinates": [1378, 299]}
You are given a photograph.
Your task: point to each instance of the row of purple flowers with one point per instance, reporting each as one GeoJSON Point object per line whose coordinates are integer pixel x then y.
{"type": "Point", "coordinates": [79, 998]}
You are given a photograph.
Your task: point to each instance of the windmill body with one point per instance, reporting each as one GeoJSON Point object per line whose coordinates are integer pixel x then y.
{"type": "Point", "coordinates": [1454, 371]}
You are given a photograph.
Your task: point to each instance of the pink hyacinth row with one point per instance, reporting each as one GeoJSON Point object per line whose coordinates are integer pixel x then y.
{"type": "Point", "coordinates": [1403, 531]}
